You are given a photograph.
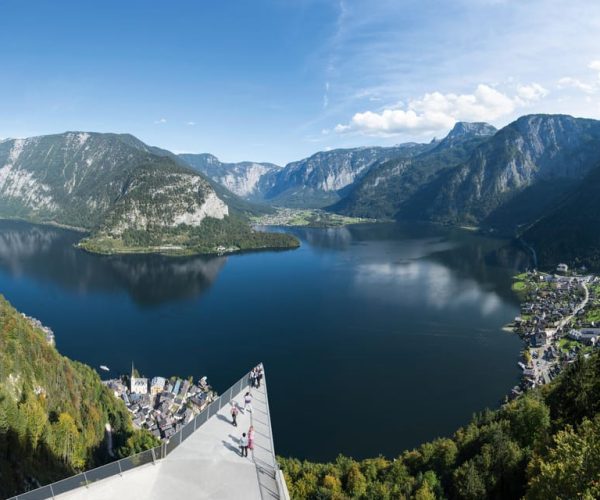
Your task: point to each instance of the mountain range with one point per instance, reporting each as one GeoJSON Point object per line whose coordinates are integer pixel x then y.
{"type": "Point", "coordinates": [535, 178]}
{"type": "Point", "coordinates": [127, 195]}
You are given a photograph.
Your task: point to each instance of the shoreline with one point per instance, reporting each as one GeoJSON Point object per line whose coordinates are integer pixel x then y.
{"type": "Point", "coordinates": [544, 324]}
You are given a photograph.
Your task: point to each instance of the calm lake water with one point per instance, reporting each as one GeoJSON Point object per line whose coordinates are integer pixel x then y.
{"type": "Point", "coordinates": [375, 338]}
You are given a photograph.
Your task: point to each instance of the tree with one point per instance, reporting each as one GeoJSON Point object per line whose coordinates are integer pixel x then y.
{"type": "Point", "coordinates": [331, 483]}
{"type": "Point", "coordinates": [140, 440]}
{"type": "Point", "coordinates": [468, 482]}
{"type": "Point", "coordinates": [65, 438]}
{"type": "Point", "coordinates": [35, 419]}
{"type": "Point", "coordinates": [356, 484]}
{"type": "Point", "coordinates": [529, 419]}
{"type": "Point", "coordinates": [571, 469]}
{"type": "Point", "coordinates": [424, 492]}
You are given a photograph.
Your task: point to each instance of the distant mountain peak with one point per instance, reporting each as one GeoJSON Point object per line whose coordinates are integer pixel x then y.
{"type": "Point", "coordinates": [477, 129]}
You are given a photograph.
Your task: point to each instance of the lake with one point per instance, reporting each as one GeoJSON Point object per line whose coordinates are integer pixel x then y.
{"type": "Point", "coordinates": [375, 338]}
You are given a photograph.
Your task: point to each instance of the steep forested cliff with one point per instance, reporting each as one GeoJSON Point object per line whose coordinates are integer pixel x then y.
{"type": "Point", "coordinates": [53, 411]}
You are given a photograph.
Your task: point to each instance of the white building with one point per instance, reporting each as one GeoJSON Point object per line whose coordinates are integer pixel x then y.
{"type": "Point", "coordinates": [562, 268]}
{"type": "Point", "coordinates": [157, 385]}
{"type": "Point", "coordinates": [139, 385]}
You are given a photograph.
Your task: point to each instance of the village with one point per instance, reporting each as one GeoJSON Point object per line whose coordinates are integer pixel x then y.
{"type": "Point", "coordinates": [559, 320]}
{"type": "Point", "coordinates": [161, 405]}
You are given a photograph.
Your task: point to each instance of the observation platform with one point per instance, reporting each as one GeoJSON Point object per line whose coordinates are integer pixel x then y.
{"type": "Point", "coordinates": [206, 463]}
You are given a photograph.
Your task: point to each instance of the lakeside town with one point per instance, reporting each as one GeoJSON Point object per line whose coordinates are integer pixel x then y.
{"type": "Point", "coordinates": [161, 405]}
{"type": "Point", "coordinates": [559, 320]}
{"type": "Point", "coordinates": [306, 217]}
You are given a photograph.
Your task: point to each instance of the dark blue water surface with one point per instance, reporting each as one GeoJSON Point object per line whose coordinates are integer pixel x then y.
{"type": "Point", "coordinates": [375, 338]}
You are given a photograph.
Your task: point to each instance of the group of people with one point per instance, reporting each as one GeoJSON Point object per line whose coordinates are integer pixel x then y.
{"type": "Point", "coordinates": [256, 376]}
{"type": "Point", "coordinates": [247, 440]}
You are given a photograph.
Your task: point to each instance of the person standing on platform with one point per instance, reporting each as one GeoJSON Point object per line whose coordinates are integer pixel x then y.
{"type": "Point", "coordinates": [251, 438]}
{"type": "Point", "coordinates": [244, 445]}
{"type": "Point", "coordinates": [234, 413]}
{"type": "Point", "coordinates": [248, 402]}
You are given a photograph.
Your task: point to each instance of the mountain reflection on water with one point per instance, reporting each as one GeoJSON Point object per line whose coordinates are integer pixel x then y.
{"type": "Point", "coordinates": [358, 319]}
{"type": "Point", "coordinates": [47, 253]}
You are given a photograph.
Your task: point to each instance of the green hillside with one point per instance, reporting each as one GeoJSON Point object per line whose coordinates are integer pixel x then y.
{"type": "Point", "coordinates": [53, 411]}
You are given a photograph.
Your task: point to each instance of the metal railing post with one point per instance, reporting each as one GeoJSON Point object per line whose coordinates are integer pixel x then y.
{"type": "Point", "coordinates": [86, 480]}
{"type": "Point", "coordinates": [153, 457]}
{"type": "Point", "coordinates": [120, 470]}
{"type": "Point", "coordinates": [52, 491]}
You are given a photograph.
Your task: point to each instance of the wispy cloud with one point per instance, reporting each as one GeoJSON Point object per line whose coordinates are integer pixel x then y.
{"type": "Point", "coordinates": [191, 124]}
{"type": "Point", "coordinates": [385, 52]}
{"type": "Point", "coordinates": [587, 85]}
{"type": "Point", "coordinates": [160, 121]}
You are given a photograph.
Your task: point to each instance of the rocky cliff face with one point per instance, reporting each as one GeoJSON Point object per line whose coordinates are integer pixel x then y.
{"type": "Point", "coordinates": [313, 182]}
{"type": "Point", "coordinates": [320, 180]}
{"type": "Point", "coordinates": [533, 149]}
{"type": "Point", "coordinates": [243, 178]}
{"type": "Point", "coordinates": [80, 178]}
{"type": "Point", "coordinates": [130, 196]}
{"type": "Point", "coordinates": [387, 186]}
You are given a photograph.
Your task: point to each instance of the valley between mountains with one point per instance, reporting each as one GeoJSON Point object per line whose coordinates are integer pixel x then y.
{"type": "Point", "coordinates": [535, 179]}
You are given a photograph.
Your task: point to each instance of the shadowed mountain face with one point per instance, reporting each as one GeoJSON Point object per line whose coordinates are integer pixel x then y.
{"type": "Point", "coordinates": [391, 185]}
{"type": "Point", "coordinates": [44, 253]}
{"type": "Point", "coordinates": [570, 231]}
{"type": "Point", "coordinates": [529, 151]}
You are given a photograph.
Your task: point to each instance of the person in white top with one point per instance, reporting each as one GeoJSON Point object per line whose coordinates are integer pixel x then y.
{"type": "Point", "coordinates": [248, 402]}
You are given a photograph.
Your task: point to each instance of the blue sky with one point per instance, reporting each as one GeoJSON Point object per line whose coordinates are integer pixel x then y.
{"type": "Point", "coordinates": [275, 80]}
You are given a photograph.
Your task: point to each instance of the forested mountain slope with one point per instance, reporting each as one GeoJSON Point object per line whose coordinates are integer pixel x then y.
{"type": "Point", "coordinates": [53, 411]}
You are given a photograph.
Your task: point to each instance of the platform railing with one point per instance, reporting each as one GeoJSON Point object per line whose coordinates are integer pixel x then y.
{"type": "Point", "coordinates": [84, 479]}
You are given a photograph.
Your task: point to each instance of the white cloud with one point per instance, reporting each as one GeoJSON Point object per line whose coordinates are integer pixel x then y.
{"type": "Point", "coordinates": [436, 111]}
{"type": "Point", "coordinates": [531, 92]}
{"type": "Point", "coordinates": [589, 87]}
{"type": "Point", "coordinates": [191, 124]}
{"type": "Point", "coordinates": [569, 82]}
{"type": "Point", "coordinates": [595, 65]}
{"type": "Point", "coordinates": [160, 120]}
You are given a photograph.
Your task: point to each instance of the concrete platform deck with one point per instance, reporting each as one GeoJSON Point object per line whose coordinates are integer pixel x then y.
{"type": "Point", "coordinates": [206, 465]}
